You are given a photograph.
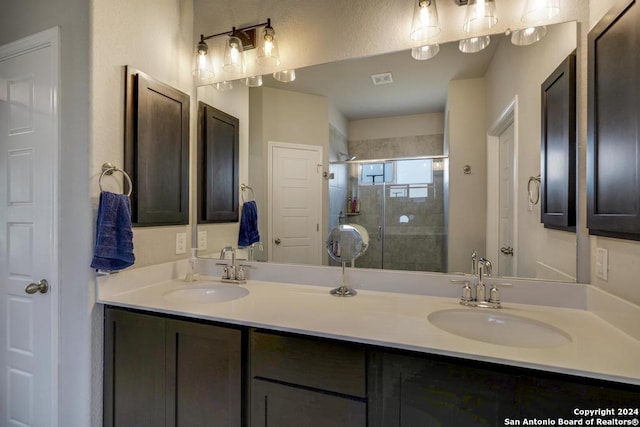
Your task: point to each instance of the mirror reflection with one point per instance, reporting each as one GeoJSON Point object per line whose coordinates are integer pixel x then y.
{"type": "Point", "coordinates": [434, 162]}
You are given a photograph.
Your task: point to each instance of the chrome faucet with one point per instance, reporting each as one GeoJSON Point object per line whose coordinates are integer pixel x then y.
{"type": "Point", "coordinates": [232, 273]}
{"type": "Point", "coordinates": [482, 268]}
{"type": "Point", "coordinates": [252, 248]}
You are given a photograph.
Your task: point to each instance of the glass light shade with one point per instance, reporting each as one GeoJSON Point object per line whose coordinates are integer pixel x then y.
{"type": "Point", "coordinates": [474, 44]}
{"type": "Point", "coordinates": [233, 57]}
{"type": "Point", "coordinates": [540, 10]}
{"type": "Point", "coordinates": [255, 81]}
{"type": "Point", "coordinates": [480, 16]}
{"type": "Point", "coordinates": [202, 64]}
{"type": "Point", "coordinates": [268, 47]}
{"type": "Point", "coordinates": [223, 86]}
{"type": "Point", "coordinates": [425, 52]}
{"type": "Point", "coordinates": [425, 20]}
{"type": "Point", "coordinates": [528, 36]}
{"type": "Point", "coordinates": [285, 76]}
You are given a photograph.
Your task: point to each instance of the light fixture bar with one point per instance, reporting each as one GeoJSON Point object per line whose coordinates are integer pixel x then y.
{"type": "Point", "coordinates": [238, 32]}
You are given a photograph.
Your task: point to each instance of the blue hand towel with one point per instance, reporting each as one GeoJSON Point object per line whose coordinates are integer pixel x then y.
{"type": "Point", "coordinates": [248, 225]}
{"type": "Point", "coordinates": [114, 236]}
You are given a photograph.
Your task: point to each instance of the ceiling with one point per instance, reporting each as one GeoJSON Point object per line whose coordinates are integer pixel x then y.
{"type": "Point", "coordinates": [418, 86]}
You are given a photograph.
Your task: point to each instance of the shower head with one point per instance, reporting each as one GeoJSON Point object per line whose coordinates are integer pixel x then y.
{"type": "Point", "coordinates": [346, 157]}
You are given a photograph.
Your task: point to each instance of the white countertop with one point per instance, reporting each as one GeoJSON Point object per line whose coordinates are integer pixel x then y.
{"type": "Point", "coordinates": [397, 320]}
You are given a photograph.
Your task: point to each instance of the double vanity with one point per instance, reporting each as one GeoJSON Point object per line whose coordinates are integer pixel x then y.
{"type": "Point", "coordinates": [269, 353]}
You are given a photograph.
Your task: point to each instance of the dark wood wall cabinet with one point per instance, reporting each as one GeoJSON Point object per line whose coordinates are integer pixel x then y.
{"type": "Point", "coordinates": [218, 165]}
{"type": "Point", "coordinates": [167, 371]}
{"type": "Point", "coordinates": [558, 147]}
{"type": "Point", "coordinates": [156, 150]}
{"type": "Point", "coordinates": [613, 153]}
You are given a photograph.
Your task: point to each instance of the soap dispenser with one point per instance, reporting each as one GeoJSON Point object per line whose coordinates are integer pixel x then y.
{"type": "Point", "coordinates": [192, 274]}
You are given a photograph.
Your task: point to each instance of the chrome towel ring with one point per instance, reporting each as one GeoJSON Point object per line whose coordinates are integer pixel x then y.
{"type": "Point", "coordinates": [108, 169]}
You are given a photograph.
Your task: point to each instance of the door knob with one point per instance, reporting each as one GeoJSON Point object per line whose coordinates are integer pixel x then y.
{"type": "Point", "coordinates": [41, 287]}
{"type": "Point", "coordinates": [277, 241]}
{"type": "Point", "coordinates": [507, 250]}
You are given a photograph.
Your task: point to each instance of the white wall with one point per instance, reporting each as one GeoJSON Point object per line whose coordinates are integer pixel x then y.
{"type": "Point", "coordinates": [284, 116]}
{"type": "Point", "coordinates": [520, 71]}
{"type": "Point", "coordinates": [466, 141]}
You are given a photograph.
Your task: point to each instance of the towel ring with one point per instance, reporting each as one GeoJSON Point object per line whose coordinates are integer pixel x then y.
{"type": "Point", "coordinates": [244, 188]}
{"type": "Point", "coordinates": [534, 194]}
{"type": "Point", "coordinates": [108, 169]}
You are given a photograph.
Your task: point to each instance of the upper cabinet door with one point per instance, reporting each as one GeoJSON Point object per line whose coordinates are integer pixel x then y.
{"type": "Point", "coordinates": [558, 147]}
{"type": "Point", "coordinates": [613, 156]}
{"type": "Point", "coordinates": [157, 150]}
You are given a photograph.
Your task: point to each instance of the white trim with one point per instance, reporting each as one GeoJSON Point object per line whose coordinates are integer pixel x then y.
{"type": "Point", "coordinates": [508, 116]}
{"type": "Point", "coordinates": [270, 146]}
{"type": "Point", "coordinates": [49, 39]}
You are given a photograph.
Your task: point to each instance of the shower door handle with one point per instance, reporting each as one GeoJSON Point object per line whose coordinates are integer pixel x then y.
{"type": "Point", "coordinates": [379, 233]}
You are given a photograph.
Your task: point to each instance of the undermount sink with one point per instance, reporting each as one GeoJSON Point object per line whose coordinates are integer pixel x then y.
{"type": "Point", "coordinates": [209, 293]}
{"type": "Point", "coordinates": [498, 328]}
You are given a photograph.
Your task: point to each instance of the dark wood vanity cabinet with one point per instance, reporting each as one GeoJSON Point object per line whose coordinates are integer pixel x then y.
{"type": "Point", "coordinates": [306, 382]}
{"type": "Point", "coordinates": [167, 372]}
{"type": "Point", "coordinates": [613, 152]}
{"type": "Point", "coordinates": [407, 390]}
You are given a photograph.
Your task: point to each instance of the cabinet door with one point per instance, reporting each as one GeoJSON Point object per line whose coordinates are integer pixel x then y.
{"type": "Point", "coordinates": [204, 375]}
{"type": "Point", "coordinates": [410, 391]}
{"type": "Point", "coordinates": [613, 156]}
{"type": "Point", "coordinates": [279, 405]}
{"type": "Point", "coordinates": [134, 369]}
{"type": "Point", "coordinates": [558, 147]}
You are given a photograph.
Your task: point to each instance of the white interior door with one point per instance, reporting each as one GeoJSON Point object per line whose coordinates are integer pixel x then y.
{"type": "Point", "coordinates": [28, 171]}
{"type": "Point", "coordinates": [295, 203]}
{"type": "Point", "coordinates": [506, 233]}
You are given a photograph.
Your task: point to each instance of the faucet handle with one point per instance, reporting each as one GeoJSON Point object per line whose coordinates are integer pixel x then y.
{"type": "Point", "coordinates": [494, 293]}
{"type": "Point", "coordinates": [466, 290]}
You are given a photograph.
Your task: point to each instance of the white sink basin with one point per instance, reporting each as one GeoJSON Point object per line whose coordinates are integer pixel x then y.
{"type": "Point", "coordinates": [203, 294]}
{"type": "Point", "coordinates": [498, 328]}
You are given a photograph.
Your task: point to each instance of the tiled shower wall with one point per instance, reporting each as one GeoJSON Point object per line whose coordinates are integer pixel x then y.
{"type": "Point", "coordinates": [418, 245]}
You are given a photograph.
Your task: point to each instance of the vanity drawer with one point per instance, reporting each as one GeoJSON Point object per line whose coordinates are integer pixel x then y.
{"type": "Point", "coordinates": [324, 365]}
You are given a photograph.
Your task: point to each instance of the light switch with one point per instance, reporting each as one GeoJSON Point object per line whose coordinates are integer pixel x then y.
{"type": "Point", "coordinates": [181, 243]}
{"type": "Point", "coordinates": [602, 263]}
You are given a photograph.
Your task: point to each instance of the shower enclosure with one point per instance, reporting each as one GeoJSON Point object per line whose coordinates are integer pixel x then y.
{"type": "Point", "coordinates": [401, 203]}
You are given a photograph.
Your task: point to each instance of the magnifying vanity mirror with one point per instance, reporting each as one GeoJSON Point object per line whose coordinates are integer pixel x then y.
{"type": "Point", "coordinates": [444, 116]}
{"type": "Point", "coordinates": [345, 243]}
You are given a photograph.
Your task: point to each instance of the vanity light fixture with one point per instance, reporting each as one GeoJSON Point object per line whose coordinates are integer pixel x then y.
{"type": "Point", "coordinates": [223, 86]}
{"type": "Point", "coordinates": [268, 46]}
{"type": "Point", "coordinates": [233, 58]}
{"type": "Point", "coordinates": [238, 41]}
{"type": "Point", "coordinates": [480, 16]}
{"type": "Point", "coordinates": [474, 44]}
{"type": "Point", "coordinates": [285, 76]}
{"type": "Point", "coordinates": [425, 52]}
{"type": "Point", "coordinates": [254, 81]}
{"type": "Point", "coordinates": [425, 20]}
{"type": "Point", "coordinates": [527, 36]}
{"type": "Point", "coordinates": [536, 11]}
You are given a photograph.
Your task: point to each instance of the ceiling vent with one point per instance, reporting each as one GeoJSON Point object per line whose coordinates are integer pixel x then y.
{"type": "Point", "coordinates": [382, 79]}
{"type": "Point", "coordinates": [461, 2]}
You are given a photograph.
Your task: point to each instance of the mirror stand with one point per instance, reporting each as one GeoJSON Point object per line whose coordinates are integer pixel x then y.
{"type": "Point", "coordinates": [343, 290]}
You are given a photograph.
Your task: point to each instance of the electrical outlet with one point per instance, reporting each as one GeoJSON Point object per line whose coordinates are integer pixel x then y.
{"type": "Point", "coordinates": [602, 263]}
{"type": "Point", "coordinates": [181, 243]}
{"type": "Point", "coordinates": [202, 240]}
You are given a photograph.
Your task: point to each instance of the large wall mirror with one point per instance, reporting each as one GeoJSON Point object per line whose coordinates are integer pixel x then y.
{"type": "Point", "coordinates": [433, 158]}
